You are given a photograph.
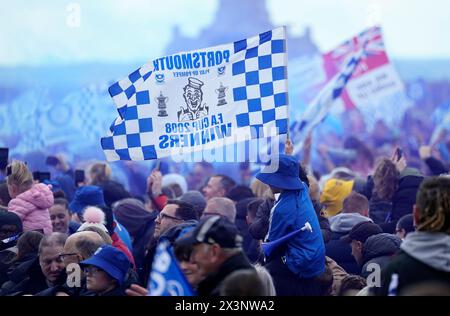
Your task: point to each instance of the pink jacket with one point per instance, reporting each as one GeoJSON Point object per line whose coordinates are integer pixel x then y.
{"type": "Point", "coordinates": [32, 208]}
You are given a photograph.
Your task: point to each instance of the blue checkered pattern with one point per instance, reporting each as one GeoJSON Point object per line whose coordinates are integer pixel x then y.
{"type": "Point", "coordinates": [131, 131]}
{"type": "Point", "coordinates": [123, 91]}
{"type": "Point", "coordinates": [320, 107]}
{"type": "Point", "coordinates": [129, 139]}
{"type": "Point", "coordinates": [259, 93]}
{"type": "Point", "coordinates": [262, 95]}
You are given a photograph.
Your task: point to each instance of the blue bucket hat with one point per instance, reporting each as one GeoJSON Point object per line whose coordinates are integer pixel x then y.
{"type": "Point", "coordinates": [111, 260]}
{"type": "Point", "coordinates": [89, 195]}
{"type": "Point", "coordinates": [286, 177]}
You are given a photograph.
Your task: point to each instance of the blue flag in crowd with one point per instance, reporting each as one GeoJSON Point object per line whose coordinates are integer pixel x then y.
{"type": "Point", "coordinates": [166, 277]}
{"type": "Point", "coordinates": [201, 100]}
{"type": "Point", "coordinates": [441, 118]}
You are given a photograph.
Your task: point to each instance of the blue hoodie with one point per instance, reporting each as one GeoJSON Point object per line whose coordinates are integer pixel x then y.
{"type": "Point", "coordinates": [305, 253]}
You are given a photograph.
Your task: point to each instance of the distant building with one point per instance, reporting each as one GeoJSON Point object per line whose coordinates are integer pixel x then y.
{"type": "Point", "coordinates": [235, 20]}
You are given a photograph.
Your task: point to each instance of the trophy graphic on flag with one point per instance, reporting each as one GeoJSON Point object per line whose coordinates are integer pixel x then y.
{"type": "Point", "coordinates": [162, 106]}
{"type": "Point", "coordinates": [221, 95]}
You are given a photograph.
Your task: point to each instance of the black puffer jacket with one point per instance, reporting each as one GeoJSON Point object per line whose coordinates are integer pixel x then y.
{"type": "Point", "coordinates": [401, 203]}
{"type": "Point", "coordinates": [404, 198]}
{"type": "Point", "coordinates": [379, 249]}
{"type": "Point", "coordinates": [7, 257]}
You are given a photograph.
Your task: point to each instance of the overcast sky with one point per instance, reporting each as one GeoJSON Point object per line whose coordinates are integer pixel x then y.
{"type": "Point", "coordinates": [40, 32]}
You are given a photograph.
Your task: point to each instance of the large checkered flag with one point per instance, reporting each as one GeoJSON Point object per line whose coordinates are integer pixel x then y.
{"type": "Point", "coordinates": [202, 100]}
{"type": "Point", "coordinates": [319, 108]}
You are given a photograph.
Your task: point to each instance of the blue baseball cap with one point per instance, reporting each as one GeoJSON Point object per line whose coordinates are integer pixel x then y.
{"type": "Point", "coordinates": [89, 195]}
{"type": "Point", "coordinates": [111, 260]}
{"type": "Point", "coordinates": [286, 177]}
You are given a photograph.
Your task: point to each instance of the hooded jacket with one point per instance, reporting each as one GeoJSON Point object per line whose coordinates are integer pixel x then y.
{"type": "Point", "coordinates": [424, 257]}
{"type": "Point", "coordinates": [339, 250]}
{"type": "Point", "coordinates": [432, 249]}
{"type": "Point", "coordinates": [379, 249]}
{"type": "Point", "coordinates": [260, 226]}
{"type": "Point", "coordinates": [32, 208]}
{"type": "Point", "coordinates": [305, 253]}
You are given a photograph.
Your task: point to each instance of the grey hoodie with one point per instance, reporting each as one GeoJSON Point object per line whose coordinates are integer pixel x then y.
{"type": "Point", "coordinates": [432, 249]}
{"type": "Point", "coordinates": [344, 222]}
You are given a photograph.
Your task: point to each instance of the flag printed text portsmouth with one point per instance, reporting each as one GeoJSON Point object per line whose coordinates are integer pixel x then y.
{"type": "Point", "coordinates": [202, 99]}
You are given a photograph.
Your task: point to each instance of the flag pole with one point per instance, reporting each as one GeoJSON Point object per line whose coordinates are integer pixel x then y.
{"type": "Point", "coordinates": [287, 78]}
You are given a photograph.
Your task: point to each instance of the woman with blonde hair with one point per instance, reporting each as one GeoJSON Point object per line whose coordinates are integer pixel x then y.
{"type": "Point", "coordinates": [30, 201]}
{"type": "Point", "coordinates": [99, 173]}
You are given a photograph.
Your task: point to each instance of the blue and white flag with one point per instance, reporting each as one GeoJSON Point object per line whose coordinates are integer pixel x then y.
{"type": "Point", "coordinates": [202, 99]}
{"type": "Point", "coordinates": [441, 118]}
{"type": "Point", "coordinates": [166, 278]}
{"type": "Point", "coordinates": [321, 106]}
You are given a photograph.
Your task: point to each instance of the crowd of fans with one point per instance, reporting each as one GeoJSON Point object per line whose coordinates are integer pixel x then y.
{"type": "Point", "coordinates": [382, 231]}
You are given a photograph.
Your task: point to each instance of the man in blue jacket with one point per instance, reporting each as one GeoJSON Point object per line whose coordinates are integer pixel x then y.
{"type": "Point", "coordinates": [297, 265]}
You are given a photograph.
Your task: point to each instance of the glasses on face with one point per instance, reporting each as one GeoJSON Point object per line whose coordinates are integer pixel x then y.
{"type": "Point", "coordinates": [161, 216]}
{"type": "Point", "coordinates": [91, 270]}
{"type": "Point", "coordinates": [63, 256]}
